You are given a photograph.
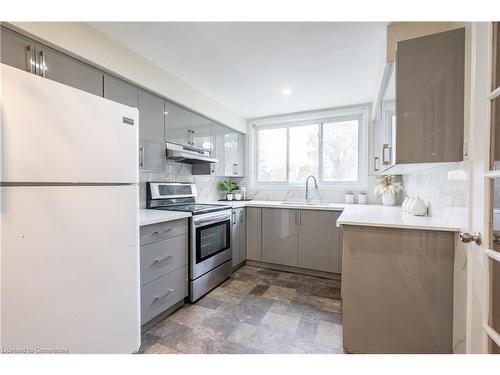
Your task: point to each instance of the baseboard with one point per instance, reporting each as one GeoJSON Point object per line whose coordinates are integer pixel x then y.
{"type": "Point", "coordinates": [302, 271]}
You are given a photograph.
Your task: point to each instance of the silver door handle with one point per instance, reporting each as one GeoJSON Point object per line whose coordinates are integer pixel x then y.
{"type": "Point", "coordinates": [29, 60]}
{"type": "Point", "coordinates": [467, 237]}
{"type": "Point", "coordinates": [161, 260]}
{"type": "Point", "coordinates": [300, 217]}
{"type": "Point", "coordinates": [43, 64]}
{"type": "Point", "coordinates": [234, 217]}
{"type": "Point", "coordinates": [169, 291]}
{"type": "Point", "coordinates": [235, 168]}
{"type": "Point", "coordinates": [376, 166]}
{"type": "Point", "coordinates": [386, 147]}
{"type": "Point", "coordinates": [295, 216]}
{"type": "Point", "coordinates": [141, 156]}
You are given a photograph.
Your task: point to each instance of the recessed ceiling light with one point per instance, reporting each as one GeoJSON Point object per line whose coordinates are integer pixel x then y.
{"type": "Point", "coordinates": [286, 91]}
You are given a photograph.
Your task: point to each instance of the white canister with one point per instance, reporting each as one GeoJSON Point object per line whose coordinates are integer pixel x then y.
{"type": "Point", "coordinates": [237, 196]}
{"type": "Point", "coordinates": [229, 196]}
{"type": "Point", "coordinates": [362, 198]}
{"type": "Point", "coordinates": [349, 198]}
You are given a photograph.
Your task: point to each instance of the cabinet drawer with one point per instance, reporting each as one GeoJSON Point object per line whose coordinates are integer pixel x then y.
{"type": "Point", "coordinates": [162, 257]}
{"type": "Point", "coordinates": [162, 231]}
{"type": "Point", "coordinates": [160, 294]}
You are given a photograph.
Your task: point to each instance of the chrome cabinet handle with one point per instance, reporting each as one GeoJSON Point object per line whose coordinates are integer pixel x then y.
{"type": "Point", "coordinates": [300, 217]}
{"type": "Point", "coordinates": [29, 60]}
{"type": "Point", "coordinates": [234, 217]}
{"type": "Point", "coordinates": [467, 237]}
{"type": "Point", "coordinates": [141, 156]}
{"type": "Point", "coordinates": [376, 166]}
{"type": "Point", "coordinates": [161, 260]}
{"type": "Point", "coordinates": [295, 216]}
{"type": "Point", "coordinates": [157, 232]}
{"type": "Point", "coordinates": [158, 298]}
{"type": "Point", "coordinates": [235, 168]}
{"type": "Point", "coordinates": [386, 147]}
{"type": "Point", "coordinates": [43, 65]}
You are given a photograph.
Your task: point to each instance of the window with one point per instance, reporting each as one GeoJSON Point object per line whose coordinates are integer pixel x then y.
{"type": "Point", "coordinates": [328, 148]}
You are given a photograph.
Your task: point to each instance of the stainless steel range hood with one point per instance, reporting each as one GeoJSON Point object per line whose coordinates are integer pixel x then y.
{"type": "Point", "coordinates": [188, 154]}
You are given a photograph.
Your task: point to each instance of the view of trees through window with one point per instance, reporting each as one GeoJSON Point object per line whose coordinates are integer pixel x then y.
{"type": "Point", "coordinates": [301, 147]}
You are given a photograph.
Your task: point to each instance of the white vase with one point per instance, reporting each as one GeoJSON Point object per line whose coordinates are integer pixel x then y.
{"type": "Point", "coordinates": [229, 196]}
{"type": "Point", "coordinates": [388, 199]}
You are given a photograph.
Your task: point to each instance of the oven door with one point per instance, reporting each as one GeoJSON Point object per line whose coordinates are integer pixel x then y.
{"type": "Point", "coordinates": [210, 242]}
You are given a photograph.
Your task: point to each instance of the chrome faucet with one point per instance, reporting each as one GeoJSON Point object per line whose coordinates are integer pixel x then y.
{"type": "Point", "coordinates": [308, 197]}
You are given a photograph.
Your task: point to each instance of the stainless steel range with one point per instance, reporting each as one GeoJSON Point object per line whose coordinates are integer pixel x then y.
{"type": "Point", "coordinates": [209, 237]}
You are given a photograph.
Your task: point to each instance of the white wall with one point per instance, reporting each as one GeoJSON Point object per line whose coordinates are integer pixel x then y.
{"type": "Point", "coordinates": [80, 39]}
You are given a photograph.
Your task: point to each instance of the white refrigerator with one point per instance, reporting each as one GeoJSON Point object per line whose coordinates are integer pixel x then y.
{"type": "Point", "coordinates": [69, 219]}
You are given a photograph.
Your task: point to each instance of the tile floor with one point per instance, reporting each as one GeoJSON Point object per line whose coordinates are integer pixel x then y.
{"type": "Point", "coordinates": [256, 311]}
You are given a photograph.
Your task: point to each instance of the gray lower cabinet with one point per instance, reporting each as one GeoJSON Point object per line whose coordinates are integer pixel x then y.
{"type": "Point", "coordinates": [120, 91]}
{"type": "Point", "coordinates": [254, 233]}
{"type": "Point", "coordinates": [397, 290]}
{"type": "Point", "coordinates": [319, 241]}
{"type": "Point", "coordinates": [164, 267]}
{"type": "Point", "coordinates": [279, 236]}
{"type": "Point", "coordinates": [299, 238]}
{"type": "Point", "coordinates": [238, 236]}
{"type": "Point", "coordinates": [151, 132]}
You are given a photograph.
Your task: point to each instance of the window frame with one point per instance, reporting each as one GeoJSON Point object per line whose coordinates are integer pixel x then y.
{"type": "Point", "coordinates": [360, 113]}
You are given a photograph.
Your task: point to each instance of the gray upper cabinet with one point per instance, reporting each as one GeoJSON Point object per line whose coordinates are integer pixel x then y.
{"type": "Point", "coordinates": [319, 241]}
{"type": "Point", "coordinates": [201, 130]}
{"type": "Point", "coordinates": [234, 153]}
{"type": "Point", "coordinates": [67, 70]}
{"type": "Point", "coordinates": [17, 50]}
{"type": "Point", "coordinates": [430, 98]}
{"type": "Point", "coordinates": [279, 236]}
{"type": "Point", "coordinates": [26, 54]}
{"type": "Point", "coordinates": [177, 124]}
{"type": "Point", "coordinates": [218, 131]}
{"type": "Point", "coordinates": [120, 91]}
{"type": "Point", "coordinates": [151, 132]}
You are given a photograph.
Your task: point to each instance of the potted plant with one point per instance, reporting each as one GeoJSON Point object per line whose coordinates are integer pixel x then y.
{"type": "Point", "coordinates": [228, 187]}
{"type": "Point", "coordinates": [388, 187]}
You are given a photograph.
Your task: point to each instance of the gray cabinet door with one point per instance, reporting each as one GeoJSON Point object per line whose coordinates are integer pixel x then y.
{"type": "Point", "coordinates": [201, 132]}
{"type": "Point", "coordinates": [235, 238]}
{"type": "Point", "coordinates": [254, 233]}
{"type": "Point", "coordinates": [67, 70]}
{"type": "Point", "coordinates": [397, 290]}
{"type": "Point", "coordinates": [430, 98]}
{"type": "Point", "coordinates": [319, 241]}
{"type": "Point", "coordinates": [279, 236]}
{"type": "Point", "coordinates": [151, 132]}
{"type": "Point", "coordinates": [120, 91]}
{"type": "Point", "coordinates": [242, 237]}
{"type": "Point", "coordinates": [240, 155]}
{"type": "Point", "coordinates": [16, 50]}
{"type": "Point", "coordinates": [218, 132]}
{"type": "Point", "coordinates": [177, 124]}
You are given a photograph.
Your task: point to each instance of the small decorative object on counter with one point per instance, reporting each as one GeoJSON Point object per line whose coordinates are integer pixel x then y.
{"type": "Point", "coordinates": [228, 187]}
{"type": "Point", "coordinates": [388, 187]}
{"type": "Point", "coordinates": [415, 206]}
{"type": "Point", "coordinates": [362, 198]}
{"type": "Point", "coordinates": [349, 198]}
{"type": "Point", "coordinates": [237, 196]}
{"type": "Point", "coordinates": [243, 193]}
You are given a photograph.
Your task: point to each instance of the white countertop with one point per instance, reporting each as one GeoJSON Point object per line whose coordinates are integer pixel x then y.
{"type": "Point", "coordinates": [394, 217]}
{"type": "Point", "coordinates": [278, 204]}
{"type": "Point", "coordinates": [368, 215]}
{"type": "Point", "coordinates": [147, 217]}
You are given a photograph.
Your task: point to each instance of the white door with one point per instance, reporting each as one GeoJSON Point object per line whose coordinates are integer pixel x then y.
{"type": "Point", "coordinates": [70, 268]}
{"type": "Point", "coordinates": [55, 133]}
{"type": "Point", "coordinates": [483, 289]}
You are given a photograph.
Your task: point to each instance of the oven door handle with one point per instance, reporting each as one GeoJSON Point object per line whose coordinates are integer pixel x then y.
{"type": "Point", "coordinates": [211, 220]}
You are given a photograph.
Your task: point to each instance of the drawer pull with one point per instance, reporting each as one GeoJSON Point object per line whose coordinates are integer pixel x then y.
{"type": "Point", "coordinates": [169, 291]}
{"type": "Point", "coordinates": [162, 259]}
{"type": "Point", "coordinates": [156, 233]}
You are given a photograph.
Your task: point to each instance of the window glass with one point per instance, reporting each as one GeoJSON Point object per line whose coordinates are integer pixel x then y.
{"type": "Point", "coordinates": [272, 157]}
{"type": "Point", "coordinates": [340, 151]}
{"type": "Point", "coordinates": [304, 152]}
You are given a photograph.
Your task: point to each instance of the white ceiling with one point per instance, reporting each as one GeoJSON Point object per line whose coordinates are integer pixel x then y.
{"type": "Point", "coordinates": [245, 66]}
